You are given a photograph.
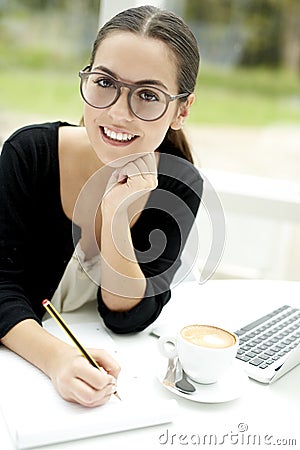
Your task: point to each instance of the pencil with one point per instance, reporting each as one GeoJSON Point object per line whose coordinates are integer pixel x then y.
{"type": "Point", "coordinates": [58, 318]}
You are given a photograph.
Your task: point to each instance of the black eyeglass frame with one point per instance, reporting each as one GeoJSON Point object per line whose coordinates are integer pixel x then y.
{"type": "Point", "coordinates": [84, 74]}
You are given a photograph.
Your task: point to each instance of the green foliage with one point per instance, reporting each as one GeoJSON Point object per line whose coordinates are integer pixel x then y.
{"type": "Point", "coordinates": [209, 11]}
{"type": "Point", "coordinates": [46, 39]}
{"type": "Point", "coordinates": [250, 97]}
{"type": "Point", "coordinates": [53, 4]}
{"type": "Point", "coordinates": [41, 93]}
{"type": "Point", "coordinates": [265, 24]}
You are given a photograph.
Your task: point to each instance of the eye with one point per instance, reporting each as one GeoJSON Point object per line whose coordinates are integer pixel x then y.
{"type": "Point", "coordinates": [149, 96]}
{"type": "Point", "coordinates": [104, 82]}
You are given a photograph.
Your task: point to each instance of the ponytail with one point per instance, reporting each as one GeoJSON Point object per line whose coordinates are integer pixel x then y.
{"type": "Point", "coordinates": [176, 139]}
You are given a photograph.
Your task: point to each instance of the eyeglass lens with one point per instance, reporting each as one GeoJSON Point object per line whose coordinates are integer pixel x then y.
{"type": "Point", "coordinates": [101, 91]}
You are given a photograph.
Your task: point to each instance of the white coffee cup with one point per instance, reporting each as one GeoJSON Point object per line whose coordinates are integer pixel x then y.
{"type": "Point", "coordinates": [205, 351]}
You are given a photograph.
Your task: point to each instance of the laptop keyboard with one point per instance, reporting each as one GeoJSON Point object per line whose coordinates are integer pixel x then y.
{"type": "Point", "coordinates": [269, 340]}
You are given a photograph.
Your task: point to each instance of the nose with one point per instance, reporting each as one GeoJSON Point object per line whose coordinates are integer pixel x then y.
{"type": "Point", "coordinates": [120, 109]}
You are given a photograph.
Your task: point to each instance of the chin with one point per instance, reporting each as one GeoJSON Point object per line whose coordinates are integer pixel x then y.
{"type": "Point", "coordinates": [122, 161]}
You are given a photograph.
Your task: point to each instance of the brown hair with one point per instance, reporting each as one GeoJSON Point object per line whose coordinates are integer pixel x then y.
{"type": "Point", "coordinates": [166, 26]}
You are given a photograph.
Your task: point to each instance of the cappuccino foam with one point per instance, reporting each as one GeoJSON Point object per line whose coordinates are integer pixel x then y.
{"type": "Point", "coordinates": [208, 336]}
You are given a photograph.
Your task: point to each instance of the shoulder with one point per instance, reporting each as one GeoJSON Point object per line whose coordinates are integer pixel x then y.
{"type": "Point", "coordinates": [177, 173]}
{"type": "Point", "coordinates": [179, 185]}
{"type": "Point", "coordinates": [33, 140]}
{"type": "Point", "coordinates": [32, 150]}
{"type": "Point", "coordinates": [35, 132]}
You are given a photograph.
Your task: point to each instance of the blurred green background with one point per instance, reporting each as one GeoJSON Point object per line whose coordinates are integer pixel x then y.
{"type": "Point", "coordinates": [250, 58]}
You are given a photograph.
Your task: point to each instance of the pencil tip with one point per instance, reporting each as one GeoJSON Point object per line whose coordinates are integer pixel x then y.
{"type": "Point", "coordinates": [117, 395]}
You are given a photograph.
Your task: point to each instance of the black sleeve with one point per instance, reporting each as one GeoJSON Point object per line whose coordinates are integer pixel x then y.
{"type": "Point", "coordinates": [35, 237]}
{"type": "Point", "coordinates": [159, 237]}
{"type": "Point", "coordinates": [16, 206]}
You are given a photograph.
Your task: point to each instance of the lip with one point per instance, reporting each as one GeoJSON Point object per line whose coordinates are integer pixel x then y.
{"type": "Point", "coordinates": [115, 143]}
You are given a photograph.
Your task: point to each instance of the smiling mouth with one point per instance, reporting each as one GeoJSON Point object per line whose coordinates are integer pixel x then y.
{"type": "Point", "coordinates": [118, 137]}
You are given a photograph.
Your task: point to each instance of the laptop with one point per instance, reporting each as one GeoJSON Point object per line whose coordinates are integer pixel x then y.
{"type": "Point", "coordinates": [270, 346]}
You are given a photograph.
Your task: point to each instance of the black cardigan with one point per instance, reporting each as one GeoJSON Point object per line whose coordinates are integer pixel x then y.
{"type": "Point", "coordinates": [37, 239]}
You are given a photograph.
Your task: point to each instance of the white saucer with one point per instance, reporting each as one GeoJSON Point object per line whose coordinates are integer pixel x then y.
{"type": "Point", "coordinates": [228, 388]}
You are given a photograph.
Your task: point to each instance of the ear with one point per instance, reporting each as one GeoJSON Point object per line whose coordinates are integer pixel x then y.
{"type": "Point", "coordinates": [182, 113]}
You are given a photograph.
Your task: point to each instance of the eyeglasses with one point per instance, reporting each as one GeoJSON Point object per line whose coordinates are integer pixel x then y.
{"type": "Point", "coordinates": [145, 102]}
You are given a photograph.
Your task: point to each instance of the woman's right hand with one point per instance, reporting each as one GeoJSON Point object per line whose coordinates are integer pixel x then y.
{"type": "Point", "coordinates": [76, 380]}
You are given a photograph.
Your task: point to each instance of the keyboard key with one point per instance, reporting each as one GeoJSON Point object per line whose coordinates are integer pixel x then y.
{"type": "Point", "coordinates": [262, 347]}
{"type": "Point", "coordinates": [243, 358]}
{"type": "Point", "coordinates": [268, 334]}
{"type": "Point", "coordinates": [270, 361]}
{"type": "Point", "coordinates": [256, 361]}
{"type": "Point", "coordinates": [264, 356]}
{"type": "Point", "coordinates": [257, 322]}
{"type": "Point", "coordinates": [240, 332]}
{"type": "Point", "coordinates": [270, 352]}
{"type": "Point", "coordinates": [256, 350]}
{"type": "Point", "coordinates": [246, 348]}
{"type": "Point", "coordinates": [263, 366]}
{"type": "Point", "coordinates": [280, 345]}
{"type": "Point", "coordinates": [257, 340]}
{"type": "Point", "coordinates": [276, 348]}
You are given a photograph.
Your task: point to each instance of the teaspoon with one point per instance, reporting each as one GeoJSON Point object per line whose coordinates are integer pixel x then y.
{"type": "Point", "coordinates": [183, 385]}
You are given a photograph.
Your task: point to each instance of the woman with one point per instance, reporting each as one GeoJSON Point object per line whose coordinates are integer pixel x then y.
{"type": "Point", "coordinates": [121, 186]}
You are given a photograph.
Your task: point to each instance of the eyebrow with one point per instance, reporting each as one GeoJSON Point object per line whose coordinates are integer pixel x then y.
{"type": "Point", "coordinates": [138, 83]}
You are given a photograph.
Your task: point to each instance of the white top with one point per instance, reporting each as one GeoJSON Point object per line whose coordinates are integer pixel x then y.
{"type": "Point", "coordinates": [79, 283]}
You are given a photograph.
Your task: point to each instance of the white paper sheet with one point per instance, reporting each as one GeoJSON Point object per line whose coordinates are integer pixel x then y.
{"type": "Point", "coordinates": [36, 414]}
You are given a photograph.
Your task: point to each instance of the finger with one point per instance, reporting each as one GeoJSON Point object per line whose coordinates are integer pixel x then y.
{"type": "Point", "coordinates": [95, 378]}
{"type": "Point", "coordinates": [105, 360]}
{"type": "Point", "coordinates": [87, 396]}
{"type": "Point", "coordinates": [113, 180]}
{"type": "Point", "coordinates": [130, 170]}
{"type": "Point", "coordinates": [138, 168]}
{"type": "Point", "coordinates": [151, 162]}
{"type": "Point", "coordinates": [146, 164]}
{"type": "Point", "coordinates": [141, 166]}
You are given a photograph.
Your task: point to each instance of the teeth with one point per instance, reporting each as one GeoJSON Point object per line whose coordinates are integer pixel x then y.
{"type": "Point", "coordinates": [117, 136]}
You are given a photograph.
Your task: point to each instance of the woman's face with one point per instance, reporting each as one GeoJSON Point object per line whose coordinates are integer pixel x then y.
{"type": "Point", "coordinates": [131, 58]}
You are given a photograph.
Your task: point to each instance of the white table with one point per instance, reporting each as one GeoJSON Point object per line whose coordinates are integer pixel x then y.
{"type": "Point", "coordinates": [263, 410]}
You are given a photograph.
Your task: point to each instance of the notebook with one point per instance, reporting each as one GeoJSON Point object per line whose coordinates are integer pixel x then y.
{"type": "Point", "coordinates": [36, 415]}
{"type": "Point", "coordinates": [270, 346]}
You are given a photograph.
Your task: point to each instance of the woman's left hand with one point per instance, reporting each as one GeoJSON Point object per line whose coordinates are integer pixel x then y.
{"type": "Point", "coordinates": [130, 182]}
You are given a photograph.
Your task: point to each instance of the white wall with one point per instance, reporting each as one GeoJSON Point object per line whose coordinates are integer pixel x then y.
{"type": "Point", "coordinates": [109, 8]}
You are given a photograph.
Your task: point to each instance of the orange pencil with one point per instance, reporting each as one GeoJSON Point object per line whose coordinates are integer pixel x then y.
{"type": "Point", "coordinates": [56, 316]}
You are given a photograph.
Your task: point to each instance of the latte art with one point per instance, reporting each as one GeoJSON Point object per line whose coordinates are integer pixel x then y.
{"type": "Point", "coordinates": [208, 336]}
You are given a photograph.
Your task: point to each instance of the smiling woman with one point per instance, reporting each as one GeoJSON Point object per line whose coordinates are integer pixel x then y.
{"type": "Point", "coordinates": [110, 203]}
